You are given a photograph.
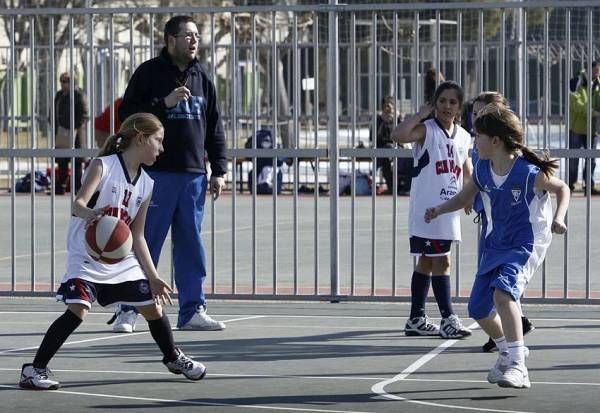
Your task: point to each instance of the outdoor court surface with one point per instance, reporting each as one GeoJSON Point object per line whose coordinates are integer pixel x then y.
{"type": "Point", "coordinates": [300, 357]}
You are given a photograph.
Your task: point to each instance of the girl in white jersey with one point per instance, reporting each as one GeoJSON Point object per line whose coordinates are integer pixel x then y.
{"type": "Point", "coordinates": [441, 162]}
{"type": "Point", "coordinates": [114, 184]}
{"type": "Point", "coordinates": [514, 183]}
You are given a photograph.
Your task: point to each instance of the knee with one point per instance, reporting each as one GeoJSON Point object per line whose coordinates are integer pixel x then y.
{"type": "Point", "coordinates": [502, 298]}
{"type": "Point", "coordinates": [441, 265]}
{"type": "Point", "coordinates": [79, 310]}
{"type": "Point", "coordinates": [151, 312]}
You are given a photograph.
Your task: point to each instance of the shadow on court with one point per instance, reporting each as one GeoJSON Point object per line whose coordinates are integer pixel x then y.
{"type": "Point", "coordinates": [315, 357]}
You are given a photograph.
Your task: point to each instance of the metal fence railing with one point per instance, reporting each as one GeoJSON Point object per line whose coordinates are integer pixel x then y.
{"type": "Point", "coordinates": [314, 76]}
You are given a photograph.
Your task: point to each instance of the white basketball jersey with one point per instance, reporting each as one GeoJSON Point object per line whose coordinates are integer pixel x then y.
{"type": "Point", "coordinates": [438, 176]}
{"type": "Point", "coordinates": [124, 197]}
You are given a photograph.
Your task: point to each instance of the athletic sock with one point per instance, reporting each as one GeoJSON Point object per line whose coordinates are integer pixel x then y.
{"type": "Point", "coordinates": [443, 294]}
{"type": "Point", "coordinates": [163, 335]}
{"type": "Point", "coordinates": [516, 351]}
{"type": "Point", "coordinates": [419, 288]}
{"type": "Point", "coordinates": [501, 344]}
{"type": "Point", "coordinates": [57, 334]}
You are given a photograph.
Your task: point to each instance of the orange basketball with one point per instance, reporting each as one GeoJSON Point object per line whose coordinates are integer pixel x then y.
{"type": "Point", "coordinates": [108, 240]}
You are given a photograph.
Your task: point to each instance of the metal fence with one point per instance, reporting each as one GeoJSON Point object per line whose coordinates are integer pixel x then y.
{"type": "Point", "coordinates": [313, 75]}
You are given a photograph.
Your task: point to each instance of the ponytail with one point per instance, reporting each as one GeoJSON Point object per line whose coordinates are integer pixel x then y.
{"type": "Point", "coordinates": [546, 165]}
{"type": "Point", "coordinates": [113, 144]}
{"type": "Point", "coordinates": [137, 125]}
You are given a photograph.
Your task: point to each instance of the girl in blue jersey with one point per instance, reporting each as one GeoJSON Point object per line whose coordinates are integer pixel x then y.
{"type": "Point", "coordinates": [441, 162]}
{"type": "Point", "coordinates": [114, 180]}
{"type": "Point", "coordinates": [514, 183]}
{"type": "Point", "coordinates": [483, 99]}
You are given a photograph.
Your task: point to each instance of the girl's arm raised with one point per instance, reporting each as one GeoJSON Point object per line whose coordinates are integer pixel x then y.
{"type": "Point", "coordinates": [563, 195]}
{"type": "Point", "coordinates": [460, 200]}
{"type": "Point", "coordinates": [411, 129]}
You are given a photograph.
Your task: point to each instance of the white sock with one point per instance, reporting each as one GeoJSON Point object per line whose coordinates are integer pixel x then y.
{"type": "Point", "coordinates": [501, 344]}
{"type": "Point", "coordinates": [516, 351]}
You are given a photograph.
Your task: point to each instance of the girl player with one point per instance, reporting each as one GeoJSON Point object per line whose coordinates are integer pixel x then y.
{"type": "Point", "coordinates": [440, 162]}
{"type": "Point", "coordinates": [483, 99]}
{"type": "Point", "coordinates": [514, 183]}
{"type": "Point", "coordinates": [113, 182]}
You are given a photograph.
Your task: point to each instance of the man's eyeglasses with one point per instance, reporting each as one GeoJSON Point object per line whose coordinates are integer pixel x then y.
{"type": "Point", "coordinates": [65, 80]}
{"type": "Point", "coordinates": [189, 35]}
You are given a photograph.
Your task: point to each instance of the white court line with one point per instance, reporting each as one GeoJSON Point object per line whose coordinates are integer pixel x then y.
{"type": "Point", "coordinates": [121, 335]}
{"type": "Point", "coordinates": [591, 320]}
{"type": "Point", "coordinates": [287, 376]}
{"type": "Point", "coordinates": [379, 388]}
{"type": "Point", "coordinates": [191, 403]}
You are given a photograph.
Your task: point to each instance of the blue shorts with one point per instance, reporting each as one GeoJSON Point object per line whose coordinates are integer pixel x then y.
{"type": "Point", "coordinates": [507, 277]}
{"type": "Point", "coordinates": [429, 247]}
{"type": "Point", "coordinates": [78, 291]}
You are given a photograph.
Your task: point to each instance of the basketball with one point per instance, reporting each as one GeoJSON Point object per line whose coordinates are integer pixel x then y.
{"type": "Point", "coordinates": [108, 240]}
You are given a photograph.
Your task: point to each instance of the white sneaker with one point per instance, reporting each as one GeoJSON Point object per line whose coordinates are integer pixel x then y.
{"type": "Point", "coordinates": [421, 326]}
{"type": "Point", "coordinates": [452, 327]}
{"type": "Point", "coordinates": [515, 376]}
{"type": "Point", "coordinates": [37, 379]}
{"type": "Point", "coordinates": [496, 372]}
{"type": "Point", "coordinates": [187, 366]}
{"type": "Point", "coordinates": [202, 321]}
{"type": "Point", "coordinates": [502, 364]}
{"type": "Point", "coordinates": [125, 322]}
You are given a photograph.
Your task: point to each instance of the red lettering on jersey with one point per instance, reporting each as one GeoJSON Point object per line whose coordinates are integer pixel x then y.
{"type": "Point", "coordinates": [441, 167]}
{"type": "Point", "coordinates": [457, 170]}
{"type": "Point", "coordinates": [119, 213]}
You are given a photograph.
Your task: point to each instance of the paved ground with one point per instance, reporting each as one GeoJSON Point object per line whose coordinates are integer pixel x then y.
{"type": "Point", "coordinates": [300, 357]}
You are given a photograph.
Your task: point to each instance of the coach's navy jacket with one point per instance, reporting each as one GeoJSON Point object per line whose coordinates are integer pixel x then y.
{"type": "Point", "coordinates": [191, 127]}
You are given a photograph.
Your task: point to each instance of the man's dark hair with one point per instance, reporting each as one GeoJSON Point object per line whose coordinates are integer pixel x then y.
{"type": "Point", "coordinates": [172, 26]}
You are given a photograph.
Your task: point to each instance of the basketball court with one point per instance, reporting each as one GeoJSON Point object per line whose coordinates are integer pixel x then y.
{"type": "Point", "coordinates": [300, 357]}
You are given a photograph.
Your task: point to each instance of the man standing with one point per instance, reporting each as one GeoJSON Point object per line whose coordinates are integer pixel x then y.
{"type": "Point", "coordinates": [175, 88]}
{"type": "Point", "coordinates": [62, 105]}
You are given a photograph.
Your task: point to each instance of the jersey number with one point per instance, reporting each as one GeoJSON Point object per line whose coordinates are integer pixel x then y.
{"type": "Point", "coordinates": [126, 198]}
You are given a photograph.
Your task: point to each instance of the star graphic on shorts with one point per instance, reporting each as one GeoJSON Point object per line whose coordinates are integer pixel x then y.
{"type": "Point", "coordinates": [428, 243]}
{"type": "Point", "coordinates": [72, 287]}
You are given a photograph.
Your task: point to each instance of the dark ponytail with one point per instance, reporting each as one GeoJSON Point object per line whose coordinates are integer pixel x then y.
{"type": "Point", "coordinates": [498, 120]}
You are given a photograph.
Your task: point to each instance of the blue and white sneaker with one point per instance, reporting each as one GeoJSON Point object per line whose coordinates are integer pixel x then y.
{"type": "Point", "coordinates": [421, 326]}
{"type": "Point", "coordinates": [452, 327]}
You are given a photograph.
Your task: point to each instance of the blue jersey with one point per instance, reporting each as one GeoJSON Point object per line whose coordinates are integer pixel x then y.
{"type": "Point", "coordinates": [518, 218]}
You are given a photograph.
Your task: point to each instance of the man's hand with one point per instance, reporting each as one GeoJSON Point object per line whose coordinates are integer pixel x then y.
{"type": "Point", "coordinates": [176, 96]}
{"type": "Point", "coordinates": [217, 183]}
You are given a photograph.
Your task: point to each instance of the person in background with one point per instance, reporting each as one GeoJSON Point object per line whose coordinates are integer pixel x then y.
{"type": "Point", "coordinates": [385, 125]}
{"type": "Point", "coordinates": [441, 163]}
{"type": "Point", "coordinates": [62, 105]}
{"type": "Point", "coordinates": [102, 123]}
{"type": "Point", "coordinates": [578, 133]}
